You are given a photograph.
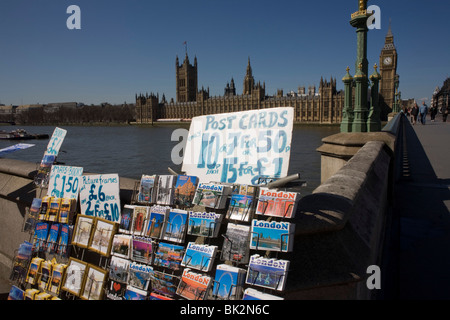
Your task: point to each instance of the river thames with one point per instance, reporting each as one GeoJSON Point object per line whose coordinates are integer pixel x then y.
{"type": "Point", "coordinates": [131, 150]}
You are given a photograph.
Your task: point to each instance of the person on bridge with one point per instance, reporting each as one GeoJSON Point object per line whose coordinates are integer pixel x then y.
{"type": "Point", "coordinates": [414, 113]}
{"type": "Point", "coordinates": [433, 112]}
{"type": "Point", "coordinates": [423, 110]}
{"type": "Point", "coordinates": [444, 114]}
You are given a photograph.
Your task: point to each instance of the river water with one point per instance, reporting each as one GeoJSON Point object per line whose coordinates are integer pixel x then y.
{"type": "Point", "coordinates": [132, 151]}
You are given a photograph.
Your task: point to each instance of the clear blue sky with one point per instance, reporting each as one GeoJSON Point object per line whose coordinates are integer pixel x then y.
{"type": "Point", "coordinates": [129, 47]}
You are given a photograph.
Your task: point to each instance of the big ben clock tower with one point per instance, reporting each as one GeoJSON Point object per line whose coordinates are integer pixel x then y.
{"type": "Point", "coordinates": [388, 71]}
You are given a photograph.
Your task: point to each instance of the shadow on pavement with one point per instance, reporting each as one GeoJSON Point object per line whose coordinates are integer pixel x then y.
{"type": "Point", "coordinates": [420, 263]}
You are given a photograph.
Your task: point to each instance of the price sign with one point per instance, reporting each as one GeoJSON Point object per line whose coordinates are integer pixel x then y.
{"type": "Point", "coordinates": [99, 196]}
{"type": "Point", "coordinates": [64, 182]}
{"type": "Point", "coordinates": [55, 141]}
{"type": "Point", "coordinates": [240, 147]}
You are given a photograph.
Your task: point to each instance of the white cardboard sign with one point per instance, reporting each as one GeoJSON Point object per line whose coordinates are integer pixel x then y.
{"type": "Point", "coordinates": [99, 196]}
{"type": "Point", "coordinates": [240, 147]}
{"type": "Point", "coordinates": [64, 182]}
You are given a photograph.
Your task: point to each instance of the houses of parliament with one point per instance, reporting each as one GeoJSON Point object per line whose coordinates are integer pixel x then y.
{"type": "Point", "coordinates": [322, 106]}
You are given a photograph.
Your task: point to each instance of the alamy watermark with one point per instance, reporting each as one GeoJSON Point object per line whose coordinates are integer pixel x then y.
{"type": "Point", "coordinates": [374, 280]}
{"type": "Point", "coordinates": [74, 20]}
{"type": "Point", "coordinates": [374, 21]}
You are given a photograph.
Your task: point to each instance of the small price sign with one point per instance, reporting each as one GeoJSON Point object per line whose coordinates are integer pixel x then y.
{"type": "Point", "coordinates": [55, 141]}
{"type": "Point", "coordinates": [99, 196]}
{"type": "Point", "coordinates": [64, 182]}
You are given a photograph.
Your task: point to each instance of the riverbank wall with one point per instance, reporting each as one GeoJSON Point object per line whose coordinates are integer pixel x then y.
{"type": "Point", "coordinates": [340, 227]}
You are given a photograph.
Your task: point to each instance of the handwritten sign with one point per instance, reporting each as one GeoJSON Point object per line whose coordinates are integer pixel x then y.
{"type": "Point", "coordinates": [19, 146]}
{"type": "Point", "coordinates": [64, 182]}
{"type": "Point", "coordinates": [55, 141]}
{"type": "Point", "coordinates": [240, 147]}
{"type": "Point", "coordinates": [99, 196]}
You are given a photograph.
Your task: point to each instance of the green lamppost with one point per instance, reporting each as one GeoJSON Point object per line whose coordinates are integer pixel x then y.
{"type": "Point", "coordinates": [373, 119]}
{"type": "Point", "coordinates": [360, 111]}
{"type": "Point", "coordinates": [396, 107]}
{"type": "Point", "coordinates": [347, 112]}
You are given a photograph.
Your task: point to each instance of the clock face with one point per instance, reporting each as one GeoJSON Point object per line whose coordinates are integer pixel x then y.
{"type": "Point", "coordinates": [387, 61]}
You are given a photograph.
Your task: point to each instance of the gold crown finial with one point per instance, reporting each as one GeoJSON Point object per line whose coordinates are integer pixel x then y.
{"type": "Point", "coordinates": [375, 67]}
{"type": "Point", "coordinates": [348, 69]}
{"type": "Point", "coordinates": [362, 5]}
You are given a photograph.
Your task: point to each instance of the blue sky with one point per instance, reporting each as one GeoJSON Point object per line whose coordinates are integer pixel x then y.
{"type": "Point", "coordinates": [129, 47]}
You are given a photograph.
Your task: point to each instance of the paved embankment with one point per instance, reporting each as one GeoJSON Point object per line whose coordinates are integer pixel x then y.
{"type": "Point", "coordinates": [420, 243]}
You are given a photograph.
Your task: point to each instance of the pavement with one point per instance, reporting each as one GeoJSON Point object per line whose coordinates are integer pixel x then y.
{"type": "Point", "coordinates": [419, 244]}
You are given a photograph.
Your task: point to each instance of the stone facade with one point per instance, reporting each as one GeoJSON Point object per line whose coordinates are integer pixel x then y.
{"type": "Point", "coordinates": [322, 106]}
{"type": "Point", "coordinates": [441, 97]}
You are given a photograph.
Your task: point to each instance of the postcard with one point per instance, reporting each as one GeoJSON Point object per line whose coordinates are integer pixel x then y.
{"type": "Point", "coordinates": [142, 249]}
{"type": "Point", "coordinates": [102, 236]}
{"type": "Point", "coordinates": [94, 283]}
{"type": "Point", "coordinates": [273, 236]}
{"type": "Point", "coordinates": [83, 230]}
{"type": "Point", "coordinates": [126, 219]}
{"type": "Point", "coordinates": [121, 245]}
{"type": "Point", "coordinates": [175, 226]}
{"type": "Point", "coordinates": [74, 276]}
{"type": "Point", "coordinates": [118, 269]}
{"type": "Point", "coordinates": [267, 272]}
{"type": "Point", "coordinates": [168, 255]}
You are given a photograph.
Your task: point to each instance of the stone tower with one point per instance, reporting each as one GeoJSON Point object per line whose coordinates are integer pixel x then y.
{"type": "Point", "coordinates": [249, 81]}
{"type": "Point", "coordinates": [388, 71]}
{"type": "Point", "coordinates": [187, 80]}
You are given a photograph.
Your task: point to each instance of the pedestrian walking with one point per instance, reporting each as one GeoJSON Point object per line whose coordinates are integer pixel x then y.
{"type": "Point", "coordinates": [414, 113]}
{"type": "Point", "coordinates": [423, 110]}
{"type": "Point", "coordinates": [433, 112]}
{"type": "Point", "coordinates": [444, 114]}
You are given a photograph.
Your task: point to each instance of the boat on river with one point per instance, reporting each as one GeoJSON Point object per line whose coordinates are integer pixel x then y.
{"type": "Point", "coordinates": [21, 134]}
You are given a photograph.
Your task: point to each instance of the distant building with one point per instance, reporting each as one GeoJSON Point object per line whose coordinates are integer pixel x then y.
{"type": "Point", "coordinates": [317, 106]}
{"type": "Point", "coordinates": [441, 96]}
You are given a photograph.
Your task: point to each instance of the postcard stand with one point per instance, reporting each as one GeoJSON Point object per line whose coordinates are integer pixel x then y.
{"type": "Point", "coordinates": [15, 274]}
